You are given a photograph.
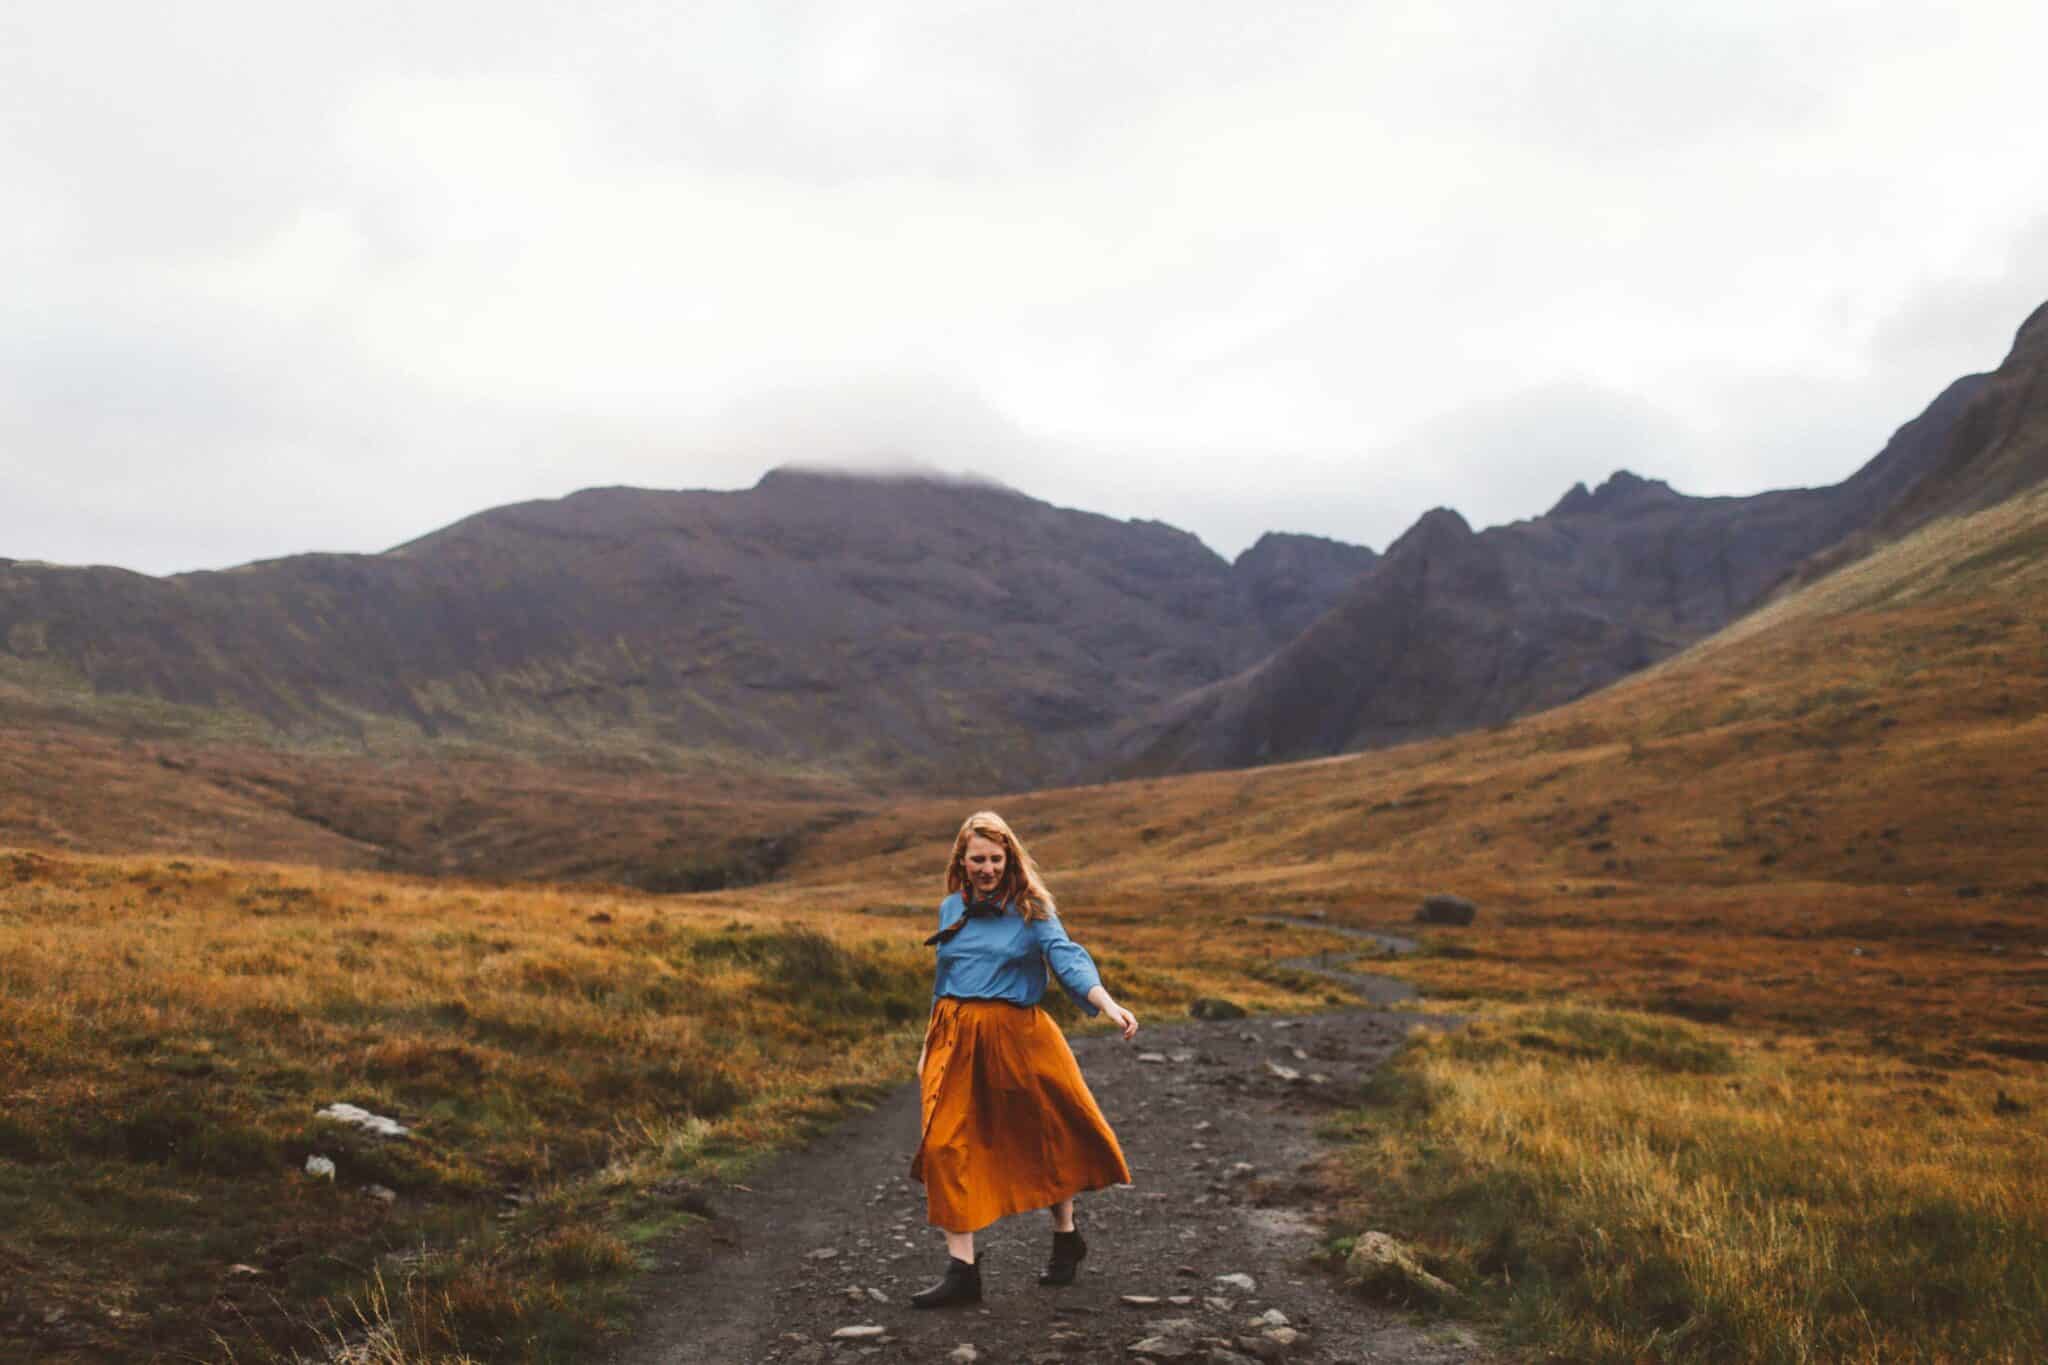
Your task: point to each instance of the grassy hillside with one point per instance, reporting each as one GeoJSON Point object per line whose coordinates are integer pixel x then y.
{"type": "Point", "coordinates": [619, 823]}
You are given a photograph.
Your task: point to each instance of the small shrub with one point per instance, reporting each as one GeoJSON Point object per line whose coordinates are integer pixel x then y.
{"type": "Point", "coordinates": [584, 1252]}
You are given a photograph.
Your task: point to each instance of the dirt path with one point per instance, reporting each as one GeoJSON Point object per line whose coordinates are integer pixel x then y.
{"type": "Point", "coordinates": [1381, 990]}
{"type": "Point", "coordinates": [1221, 1150]}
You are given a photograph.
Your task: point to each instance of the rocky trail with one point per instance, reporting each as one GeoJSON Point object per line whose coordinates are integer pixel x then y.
{"type": "Point", "coordinates": [1204, 1257]}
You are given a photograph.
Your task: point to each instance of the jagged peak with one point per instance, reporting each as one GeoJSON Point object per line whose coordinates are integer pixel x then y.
{"type": "Point", "coordinates": [1622, 482]}
{"type": "Point", "coordinates": [1436, 527]}
{"type": "Point", "coordinates": [1619, 487]}
{"type": "Point", "coordinates": [1269, 541]}
{"type": "Point", "coordinates": [1578, 498]}
{"type": "Point", "coordinates": [2033, 329]}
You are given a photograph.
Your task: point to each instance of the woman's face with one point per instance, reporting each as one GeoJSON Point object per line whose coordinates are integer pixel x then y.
{"type": "Point", "coordinates": [984, 860]}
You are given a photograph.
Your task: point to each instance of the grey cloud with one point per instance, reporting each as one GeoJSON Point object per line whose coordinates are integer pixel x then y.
{"type": "Point", "coordinates": [1946, 322]}
{"type": "Point", "coordinates": [289, 277]}
{"type": "Point", "coordinates": [877, 421]}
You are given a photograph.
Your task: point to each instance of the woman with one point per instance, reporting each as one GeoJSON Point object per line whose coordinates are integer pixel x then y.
{"type": "Point", "coordinates": [1009, 1124]}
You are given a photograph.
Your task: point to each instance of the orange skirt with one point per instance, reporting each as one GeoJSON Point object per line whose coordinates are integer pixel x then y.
{"type": "Point", "coordinates": [1009, 1124]}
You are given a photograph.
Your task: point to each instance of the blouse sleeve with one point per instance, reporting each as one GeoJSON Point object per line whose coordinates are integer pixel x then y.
{"type": "Point", "coordinates": [951, 909]}
{"type": "Point", "coordinates": [1069, 961]}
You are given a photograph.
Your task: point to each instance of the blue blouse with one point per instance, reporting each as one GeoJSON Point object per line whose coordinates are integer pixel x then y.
{"type": "Point", "coordinates": [1006, 958]}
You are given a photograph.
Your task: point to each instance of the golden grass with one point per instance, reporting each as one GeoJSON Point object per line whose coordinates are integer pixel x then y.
{"type": "Point", "coordinates": [1621, 1187]}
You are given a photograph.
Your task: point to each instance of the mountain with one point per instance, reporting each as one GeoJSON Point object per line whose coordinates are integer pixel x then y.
{"type": "Point", "coordinates": [1987, 440]}
{"type": "Point", "coordinates": [1454, 629]}
{"type": "Point", "coordinates": [904, 629]}
{"type": "Point", "coordinates": [841, 634]}
{"type": "Point", "coordinates": [1292, 579]}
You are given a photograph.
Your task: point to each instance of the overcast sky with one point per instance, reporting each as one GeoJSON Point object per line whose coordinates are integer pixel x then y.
{"type": "Point", "coordinates": [325, 276]}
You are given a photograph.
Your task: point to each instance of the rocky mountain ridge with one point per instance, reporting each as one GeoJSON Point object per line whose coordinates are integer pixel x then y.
{"type": "Point", "coordinates": [1454, 629]}
{"type": "Point", "coordinates": [915, 631]}
{"type": "Point", "coordinates": [905, 629]}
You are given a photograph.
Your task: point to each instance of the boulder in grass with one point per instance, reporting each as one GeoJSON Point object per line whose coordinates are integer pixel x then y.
{"type": "Point", "coordinates": [364, 1119]}
{"type": "Point", "coordinates": [1384, 1269]}
{"type": "Point", "coordinates": [1216, 1007]}
{"type": "Point", "coordinates": [1442, 909]}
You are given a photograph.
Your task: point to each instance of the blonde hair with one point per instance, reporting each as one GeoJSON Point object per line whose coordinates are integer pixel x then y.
{"type": "Point", "coordinates": [1021, 885]}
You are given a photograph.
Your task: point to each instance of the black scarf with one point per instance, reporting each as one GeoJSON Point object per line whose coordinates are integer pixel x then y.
{"type": "Point", "coordinates": [989, 908]}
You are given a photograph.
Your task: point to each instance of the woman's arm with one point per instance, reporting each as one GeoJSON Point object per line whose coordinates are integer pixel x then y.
{"type": "Point", "coordinates": [1070, 962]}
{"type": "Point", "coordinates": [1118, 1015]}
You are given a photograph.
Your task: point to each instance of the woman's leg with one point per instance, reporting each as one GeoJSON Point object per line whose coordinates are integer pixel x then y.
{"type": "Point", "coordinates": [1068, 1246]}
{"type": "Point", "coordinates": [962, 1282]}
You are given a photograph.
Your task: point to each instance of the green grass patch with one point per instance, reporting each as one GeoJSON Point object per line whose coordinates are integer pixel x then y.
{"type": "Point", "coordinates": [1613, 1186]}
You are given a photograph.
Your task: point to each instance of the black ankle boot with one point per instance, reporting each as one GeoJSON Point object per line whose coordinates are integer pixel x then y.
{"type": "Point", "coordinates": [961, 1285]}
{"type": "Point", "coordinates": [1067, 1251]}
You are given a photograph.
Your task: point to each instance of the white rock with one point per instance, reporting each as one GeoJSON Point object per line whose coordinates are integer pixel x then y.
{"type": "Point", "coordinates": [1384, 1267]}
{"type": "Point", "coordinates": [1244, 1282]}
{"type": "Point", "coordinates": [821, 1254]}
{"type": "Point", "coordinates": [320, 1166]}
{"type": "Point", "coordinates": [383, 1194]}
{"type": "Point", "coordinates": [1139, 1300]}
{"type": "Point", "coordinates": [877, 1295]}
{"type": "Point", "coordinates": [1272, 1317]}
{"type": "Point", "coordinates": [364, 1119]}
{"type": "Point", "coordinates": [964, 1353]}
{"type": "Point", "coordinates": [1152, 1057]}
{"type": "Point", "coordinates": [861, 1331]}
{"type": "Point", "coordinates": [1285, 1073]}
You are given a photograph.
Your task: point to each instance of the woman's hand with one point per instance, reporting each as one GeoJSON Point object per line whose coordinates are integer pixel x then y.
{"type": "Point", "coordinates": [1100, 997]}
